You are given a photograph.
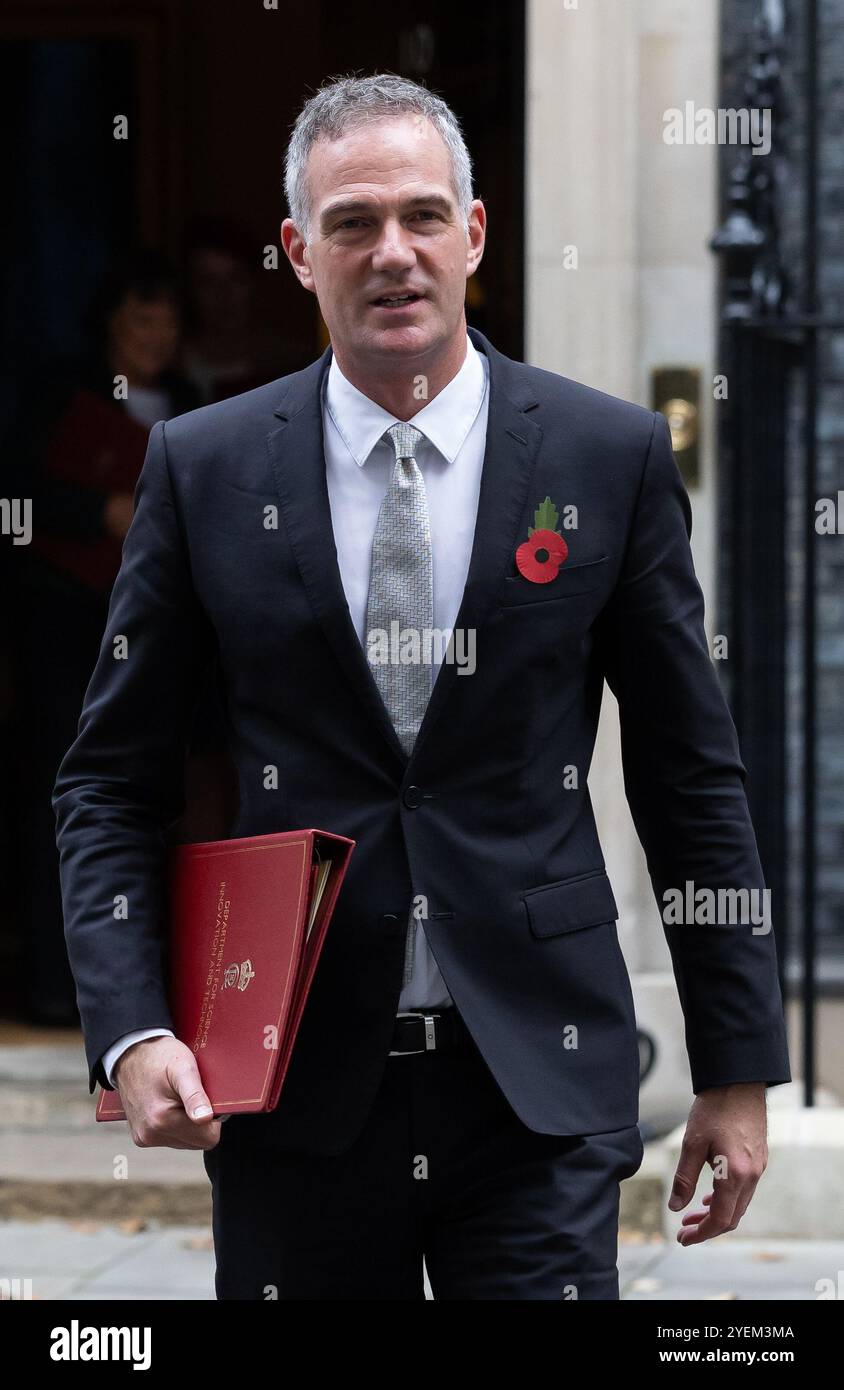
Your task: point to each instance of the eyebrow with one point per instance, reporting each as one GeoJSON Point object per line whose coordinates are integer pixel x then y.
{"type": "Point", "coordinates": [350, 206]}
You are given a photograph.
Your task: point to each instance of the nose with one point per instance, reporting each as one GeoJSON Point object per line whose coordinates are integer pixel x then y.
{"type": "Point", "coordinates": [393, 251]}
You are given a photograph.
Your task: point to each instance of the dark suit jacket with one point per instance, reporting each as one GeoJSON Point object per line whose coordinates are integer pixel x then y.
{"type": "Point", "coordinates": [521, 914]}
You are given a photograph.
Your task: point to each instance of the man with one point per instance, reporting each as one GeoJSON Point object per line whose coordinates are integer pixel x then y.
{"type": "Point", "coordinates": [465, 1080]}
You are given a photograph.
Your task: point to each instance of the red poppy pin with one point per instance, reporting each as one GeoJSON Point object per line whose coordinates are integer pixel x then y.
{"type": "Point", "coordinates": [540, 557]}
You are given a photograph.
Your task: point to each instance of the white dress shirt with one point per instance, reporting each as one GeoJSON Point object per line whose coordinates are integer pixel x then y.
{"type": "Point", "coordinates": [359, 463]}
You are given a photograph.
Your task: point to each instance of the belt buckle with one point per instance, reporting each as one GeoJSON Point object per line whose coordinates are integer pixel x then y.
{"type": "Point", "coordinates": [430, 1033]}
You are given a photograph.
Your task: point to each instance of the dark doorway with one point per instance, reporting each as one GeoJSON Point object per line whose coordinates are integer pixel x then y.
{"type": "Point", "coordinates": [477, 66]}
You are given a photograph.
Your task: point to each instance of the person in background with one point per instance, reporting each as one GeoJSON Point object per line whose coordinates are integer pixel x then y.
{"type": "Point", "coordinates": [77, 451]}
{"type": "Point", "coordinates": [225, 351]}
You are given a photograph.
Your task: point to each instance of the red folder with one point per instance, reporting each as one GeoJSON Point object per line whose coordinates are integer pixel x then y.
{"type": "Point", "coordinates": [248, 918]}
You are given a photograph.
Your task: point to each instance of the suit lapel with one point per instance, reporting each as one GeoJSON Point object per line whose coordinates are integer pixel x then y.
{"type": "Point", "coordinates": [512, 444]}
{"type": "Point", "coordinates": [297, 454]}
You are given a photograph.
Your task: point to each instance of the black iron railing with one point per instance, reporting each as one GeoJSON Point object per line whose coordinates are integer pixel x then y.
{"type": "Point", "coordinates": [769, 332]}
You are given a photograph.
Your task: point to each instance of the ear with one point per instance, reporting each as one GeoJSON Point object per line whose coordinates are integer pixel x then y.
{"type": "Point", "coordinates": [476, 236]}
{"type": "Point", "coordinates": [296, 250]}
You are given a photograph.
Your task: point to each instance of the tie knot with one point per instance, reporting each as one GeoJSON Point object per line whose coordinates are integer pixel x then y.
{"type": "Point", "coordinates": [405, 439]}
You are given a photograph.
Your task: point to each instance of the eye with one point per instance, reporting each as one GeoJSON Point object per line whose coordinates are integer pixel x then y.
{"type": "Point", "coordinates": [350, 222]}
{"type": "Point", "coordinates": [426, 212]}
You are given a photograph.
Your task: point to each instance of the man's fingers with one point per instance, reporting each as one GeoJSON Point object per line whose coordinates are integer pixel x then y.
{"type": "Point", "coordinates": [693, 1216]}
{"type": "Point", "coordinates": [174, 1143]}
{"type": "Point", "coordinates": [704, 1230]}
{"type": "Point", "coordinates": [718, 1219]}
{"type": "Point", "coordinates": [174, 1130]}
{"type": "Point", "coordinates": [726, 1207]}
{"type": "Point", "coordinates": [179, 1128]}
{"type": "Point", "coordinates": [744, 1200]}
{"type": "Point", "coordinates": [167, 1142]}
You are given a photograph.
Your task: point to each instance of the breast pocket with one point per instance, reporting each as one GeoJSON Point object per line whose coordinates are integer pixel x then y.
{"type": "Point", "coordinates": [518, 592]}
{"type": "Point", "coordinates": [570, 904]}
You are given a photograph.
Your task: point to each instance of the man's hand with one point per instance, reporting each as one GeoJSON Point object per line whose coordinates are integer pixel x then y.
{"type": "Point", "coordinates": [727, 1127]}
{"type": "Point", "coordinates": [161, 1092]}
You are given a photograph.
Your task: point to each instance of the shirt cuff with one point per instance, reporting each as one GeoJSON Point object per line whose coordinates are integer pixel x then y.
{"type": "Point", "coordinates": [111, 1055]}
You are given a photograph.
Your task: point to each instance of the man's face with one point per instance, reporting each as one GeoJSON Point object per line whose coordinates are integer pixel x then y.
{"type": "Point", "coordinates": [385, 223]}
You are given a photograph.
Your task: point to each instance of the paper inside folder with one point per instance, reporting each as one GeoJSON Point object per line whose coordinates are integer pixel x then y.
{"type": "Point", "coordinates": [323, 870]}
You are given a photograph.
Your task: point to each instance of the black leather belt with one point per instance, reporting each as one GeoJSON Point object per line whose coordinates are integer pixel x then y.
{"type": "Point", "coordinates": [437, 1030]}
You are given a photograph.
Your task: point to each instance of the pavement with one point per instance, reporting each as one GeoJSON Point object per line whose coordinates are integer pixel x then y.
{"type": "Point", "coordinates": [89, 1260]}
{"type": "Point", "coordinates": [85, 1215]}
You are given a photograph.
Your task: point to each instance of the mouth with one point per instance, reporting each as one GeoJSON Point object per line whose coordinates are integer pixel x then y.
{"type": "Point", "coordinates": [396, 301]}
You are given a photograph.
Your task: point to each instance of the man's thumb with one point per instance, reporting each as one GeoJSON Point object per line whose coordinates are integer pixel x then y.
{"type": "Point", "coordinates": [193, 1097]}
{"type": "Point", "coordinates": [680, 1193]}
{"type": "Point", "coordinates": [686, 1176]}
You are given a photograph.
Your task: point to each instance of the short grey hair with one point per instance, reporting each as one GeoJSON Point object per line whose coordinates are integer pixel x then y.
{"type": "Point", "coordinates": [346, 103]}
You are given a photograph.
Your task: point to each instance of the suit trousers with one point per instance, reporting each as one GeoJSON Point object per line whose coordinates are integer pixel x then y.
{"type": "Point", "coordinates": [443, 1169]}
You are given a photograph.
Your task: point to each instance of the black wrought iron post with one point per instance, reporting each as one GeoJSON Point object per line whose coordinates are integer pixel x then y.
{"type": "Point", "coordinates": [766, 339]}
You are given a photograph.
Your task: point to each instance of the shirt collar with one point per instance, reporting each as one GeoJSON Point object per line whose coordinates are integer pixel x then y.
{"type": "Point", "coordinates": [445, 421]}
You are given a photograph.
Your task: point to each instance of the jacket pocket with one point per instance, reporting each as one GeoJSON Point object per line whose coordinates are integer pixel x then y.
{"type": "Point", "coordinates": [570, 904]}
{"type": "Point", "coordinates": [583, 578]}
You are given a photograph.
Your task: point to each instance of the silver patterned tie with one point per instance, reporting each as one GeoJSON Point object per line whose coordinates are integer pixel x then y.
{"type": "Point", "coordinates": [401, 590]}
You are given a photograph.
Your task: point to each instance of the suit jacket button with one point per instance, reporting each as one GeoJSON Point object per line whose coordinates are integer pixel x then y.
{"type": "Point", "coordinates": [412, 797]}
